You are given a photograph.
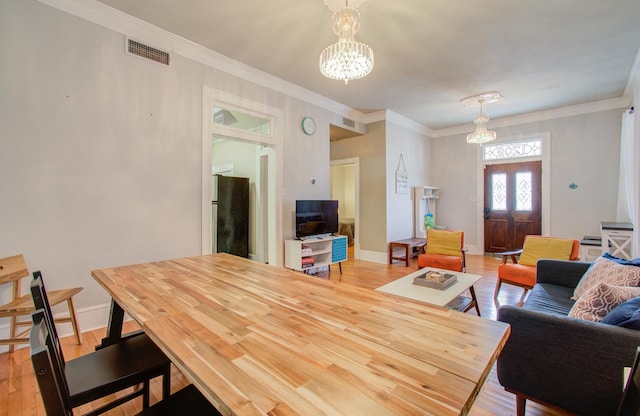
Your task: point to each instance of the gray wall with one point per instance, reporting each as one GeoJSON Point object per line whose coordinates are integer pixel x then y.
{"type": "Point", "coordinates": [101, 152]}
{"type": "Point", "coordinates": [585, 150]}
{"type": "Point", "coordinates": [416, 154]}
{"type": "Point", "coordinates": [385, 215]}
{"type": "Point", "coordinates": [370, 148]}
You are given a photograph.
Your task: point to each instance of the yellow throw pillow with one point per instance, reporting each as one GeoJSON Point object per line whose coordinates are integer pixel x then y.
{"type": "Point", "coordinates": [444, 242]}
{"type": "Point", "coordinates": [536, 248]}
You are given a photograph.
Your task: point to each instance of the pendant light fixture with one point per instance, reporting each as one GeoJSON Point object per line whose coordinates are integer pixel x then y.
{"type": "Point", "coordinates": [346, 59]}
{"type": "Point", "coordinates": [481, 134]}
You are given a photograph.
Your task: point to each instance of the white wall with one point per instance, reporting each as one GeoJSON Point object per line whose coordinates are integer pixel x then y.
{"type": "Point", "coordinates": [584, 150]}
{"type": "Point", "coordinates": [343, 189]}
{"type": "Point", "coordinates": [101, 152]}
{"type": "Point", "coordinates": [415, 151]}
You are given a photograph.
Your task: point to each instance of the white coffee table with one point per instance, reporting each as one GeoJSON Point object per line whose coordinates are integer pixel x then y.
{"type": "Point", "coordinates": [449, 297]}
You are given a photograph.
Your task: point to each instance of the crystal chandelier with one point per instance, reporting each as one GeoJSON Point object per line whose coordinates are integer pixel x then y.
{"type": "Point", "coordinates": [346, 59]}
{"type": "Point", "coordinates": [481, 134]}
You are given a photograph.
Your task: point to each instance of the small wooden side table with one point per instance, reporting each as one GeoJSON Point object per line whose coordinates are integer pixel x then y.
{"type": "Point", "coordinates": [410, 245]}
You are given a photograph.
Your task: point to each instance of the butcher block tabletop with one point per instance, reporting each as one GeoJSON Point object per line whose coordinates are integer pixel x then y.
{"type": "Point", "coordinates": [257, 339]}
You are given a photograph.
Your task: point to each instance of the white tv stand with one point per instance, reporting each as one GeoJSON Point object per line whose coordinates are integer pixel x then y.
{"type": "Point", "coordinates": [324, 251]}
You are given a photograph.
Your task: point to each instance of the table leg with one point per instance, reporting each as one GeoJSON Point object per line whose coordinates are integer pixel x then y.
{"type": "Point", "coordinates": [114, 327]}
{"type": "Point", "coordinates": [406, 254]}
{"type": "Point", "coordinates": [475, 300]}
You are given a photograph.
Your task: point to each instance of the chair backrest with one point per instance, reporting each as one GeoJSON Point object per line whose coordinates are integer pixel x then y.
{"type": "Point", "coordinates": [12, 269]}
{"type": "Point", "coordinates": [445, 242]}
{"type": "Point", "coordinates": [48, 372]}
{"type": "Point", "coordinates": [537, 247]}
{"type": "Point", "coordinates": [630, 402]}
{"type": "Point", "coordinates": [41, 302]}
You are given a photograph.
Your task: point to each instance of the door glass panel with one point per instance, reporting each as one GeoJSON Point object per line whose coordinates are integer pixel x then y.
{"type": "Point", "coordinates": [241, 120]}
{"type": "Point", "coordinates": [499, 191]}
{"type": "Point", "coordinates": [523, 191]}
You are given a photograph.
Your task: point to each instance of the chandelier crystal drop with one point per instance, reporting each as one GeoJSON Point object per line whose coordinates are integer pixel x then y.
{"type": "Point", "coordinates": [346, 59]}
{"type": "Point", "coordinates": [481, 135]}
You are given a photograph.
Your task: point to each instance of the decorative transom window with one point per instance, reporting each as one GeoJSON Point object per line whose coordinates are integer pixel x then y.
{"type": "Point", "coordinates": [512, 150]}
{"type": "Point", "coordinates": [242, 120]}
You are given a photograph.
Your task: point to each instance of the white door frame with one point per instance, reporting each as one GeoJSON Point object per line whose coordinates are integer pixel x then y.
{"type": "Point", "coordinates": [212, 98]}
{"type": "Point", "coordinates": [356, 233]}
{"type": "Point", "coordinates": [545, 179]}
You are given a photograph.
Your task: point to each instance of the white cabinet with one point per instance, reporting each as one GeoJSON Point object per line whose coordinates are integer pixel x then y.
{"type": "Point", "coordinates": [617, 239]}
{"type": "Point", "coordinates": [424, 200]}
{"type": "Point", "coordinates": [314, 252]}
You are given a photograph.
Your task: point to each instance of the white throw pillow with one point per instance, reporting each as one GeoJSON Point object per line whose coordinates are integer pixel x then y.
{"type": "Point", "coordinates": [606, 271]}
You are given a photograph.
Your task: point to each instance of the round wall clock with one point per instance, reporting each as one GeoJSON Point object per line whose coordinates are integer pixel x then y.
{"type": "Point", "coordinates": [308, 125]}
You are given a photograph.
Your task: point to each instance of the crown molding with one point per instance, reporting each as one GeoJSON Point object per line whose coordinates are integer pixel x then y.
{"type": "Point", "coordinates": [142, 31]}
{"type": "Point", "coordinates": [574, 110]}
{"type": "Point", "coordinates": [110, 18]}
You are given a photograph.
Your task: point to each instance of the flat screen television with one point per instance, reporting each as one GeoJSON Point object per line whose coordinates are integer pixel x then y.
{"type": "Point", "coordinates": [316, 217]}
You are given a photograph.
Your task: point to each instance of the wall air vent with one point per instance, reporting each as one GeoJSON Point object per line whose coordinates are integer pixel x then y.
{"type": "Point", "coordinates": [147, 52]}
{"type": "Point", "coordinates": [348, 122]}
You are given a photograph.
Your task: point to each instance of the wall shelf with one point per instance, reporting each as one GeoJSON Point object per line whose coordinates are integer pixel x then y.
{"type": "Point", "coordinates": [424, 197]}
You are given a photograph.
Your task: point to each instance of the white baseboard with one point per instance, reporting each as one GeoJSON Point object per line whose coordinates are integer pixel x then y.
{"type": "Point", "coordinates": [383, 258]}
{"type": "Point", "coordinates": [90, 318]}
{"type": "Point", "coordinates": [474, 250]}
{"type": "Point", "coordinates": [374, 256]}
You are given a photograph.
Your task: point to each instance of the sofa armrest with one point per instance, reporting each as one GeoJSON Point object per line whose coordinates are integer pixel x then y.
{"type": "Point", "coordinates": [560, 272]}
{"type": "Point", "coordinates": [571, 363]}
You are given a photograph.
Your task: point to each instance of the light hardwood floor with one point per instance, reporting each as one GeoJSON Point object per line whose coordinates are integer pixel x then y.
{"type": "Point", "coordinates": [19, 394]}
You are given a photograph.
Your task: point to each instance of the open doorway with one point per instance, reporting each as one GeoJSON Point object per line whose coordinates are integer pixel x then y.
{"type": "Point", "coordinates": [345, 183]}
{"type": "Point", "coordinates": [239, 214]}
{"type": "Point", "coordinates": [243, 138]}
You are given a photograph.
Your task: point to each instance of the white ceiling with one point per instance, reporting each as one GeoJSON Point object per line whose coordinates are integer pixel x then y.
{"type": "Point", "coordinates": [429, 54]}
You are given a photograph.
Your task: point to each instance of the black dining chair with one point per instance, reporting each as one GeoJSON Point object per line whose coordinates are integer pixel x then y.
{"type": "Point", "coordinates": [103, 372]}
{"type": "Point", "coordinates": [630, 402]}
{"type": "Point", "coordinates": [55, 393]}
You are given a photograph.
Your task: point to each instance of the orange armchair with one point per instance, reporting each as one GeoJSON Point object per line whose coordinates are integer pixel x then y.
{"type": "Point", "coordinates": [523, 273]}
{"type": "Point", "coordinates": [444, 250]}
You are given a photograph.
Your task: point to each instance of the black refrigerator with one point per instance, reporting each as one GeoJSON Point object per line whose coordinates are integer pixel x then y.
{"type": "Point", "coordinates": [231, 215]}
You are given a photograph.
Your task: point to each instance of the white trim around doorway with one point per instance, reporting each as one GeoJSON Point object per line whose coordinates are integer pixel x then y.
{"type": "Point", "coordinates": [272, 149]}
{"type": "Point", "coordinates": [356, 234]}
{"type": "Point", "coordinates": [546, 183]}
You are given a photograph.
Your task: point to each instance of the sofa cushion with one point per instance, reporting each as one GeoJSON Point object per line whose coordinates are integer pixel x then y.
{"type": "Point", "coordinates": [606, 271]}
{"type": "Point", "coordinates": [518, 273]}
{"type": "Point", "coordinates": [601, 299]}
{"type": "Point", "coordinates": [441, 262]}
{"type": "Point", "coordinates": [626, 315]}
{"type": "Point", "coordinates": [550, 298]}
{"type": "Point", "coordinates": [536, 248]}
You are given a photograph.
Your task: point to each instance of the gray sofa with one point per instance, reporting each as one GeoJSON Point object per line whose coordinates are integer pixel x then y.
{"type": "Point", "coordinates": [568, 363]}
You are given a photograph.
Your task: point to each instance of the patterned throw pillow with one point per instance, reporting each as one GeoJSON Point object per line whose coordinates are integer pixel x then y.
{"type": "Point", "coordinates": [606, 271]}
{"type": "Point", "coordinates": [601, 299]}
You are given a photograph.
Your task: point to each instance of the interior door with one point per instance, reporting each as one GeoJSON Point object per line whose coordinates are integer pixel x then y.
{"type": "Point", "coordinates": [512, 204]}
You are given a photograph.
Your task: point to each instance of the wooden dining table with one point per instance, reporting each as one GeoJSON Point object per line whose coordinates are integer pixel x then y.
{"type": "Point", "coordinates": [258, 339]}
